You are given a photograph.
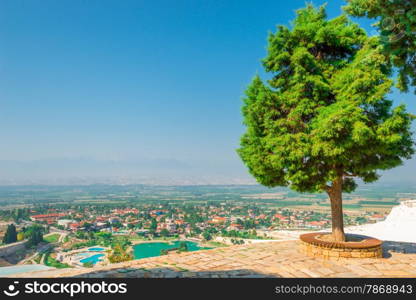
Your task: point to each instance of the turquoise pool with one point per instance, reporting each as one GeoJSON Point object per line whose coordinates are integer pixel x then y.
{"type": "Point", "coordinates": [144, 250]}
{"type": "Point", "coordinates": [96, 249]}
{"type": "Point", "coordinates": [92, 259]}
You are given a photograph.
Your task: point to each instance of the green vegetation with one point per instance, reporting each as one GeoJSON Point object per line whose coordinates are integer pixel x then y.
{"type": "Point", "coordinates": [119, 254]}
{"type": "Point", "coordinates": [242, 234]}
{"type": "Point", "coordinates": [237, 242]}
{"type": "Point", "coordinates": [396, 22]}
{"type": "Point", "coordinates": [207, 236]}
{"type": "Point", "coordinates": [323, 120]}
{"type": "Point", "coordinates": [183, 247]}
{"type": "Point", "coordinates": [11, 235]}
{"type": "Point", "coordinates": [34, 234]}
{"type": "Point", "coordinates": [20, 236]}
{"type": "Point", "coordinates": [52, 238]}
{"type": "Point", "coordinates": [51, 262]}
{"type": "Point", "coordinates": [191, 196]}
{"type": "Point", "coordinates": [88, 265]}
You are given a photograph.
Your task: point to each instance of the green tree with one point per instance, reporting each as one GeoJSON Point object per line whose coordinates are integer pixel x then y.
{"type": "Point", "coordinates": [164, 233]}
{"type": "Point", "coordinates": [323, 119]}
{"type": "Point", "coordinates": [183, 247]}
{"type": "Point", "coordinates": [11, 235]}
{"type": "Point", "coordinates": [119, 254]}
{"type": "Point", "coordinates": [20, 236]}
{"type": "Point", "coordinates": [396, 22]}
{"type": "Point", "coordinates": [153, 225]}
{"type": "Point", "coordinates": [34, 234]}
{"type": "Point", "coordinates": [206, 235]}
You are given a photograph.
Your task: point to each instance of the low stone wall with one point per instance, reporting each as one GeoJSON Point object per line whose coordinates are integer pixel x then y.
{"type": "Point", "coordinates": [368, 248]}
{"type": "Point", "coordinates": [10, 249]}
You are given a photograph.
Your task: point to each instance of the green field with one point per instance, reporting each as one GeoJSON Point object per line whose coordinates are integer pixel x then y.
{"type": "Point", "coordinates": [53, 238]}
{"type": "Point", "coordinates": [51, 262]}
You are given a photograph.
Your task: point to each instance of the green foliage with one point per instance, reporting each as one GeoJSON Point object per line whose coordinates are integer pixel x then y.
{"type": "Point", "coordinates": [396, 22]}
{"type": "Point", "coordinates": [52, 238]}
{"type": "Point", "coordinates": [207, 236]}
{"type": "Point", "coordinates": [11, 235]}
{"type": "Point", "coordinates": [237, 242]}
{"type": "Point", "coordinates": [153, 225]}
{"type": "Point", "coordinates": [88, 265]}
{"type": "Point", "coordinates": [34, 234]}
{"type": "Point", "coordinates": [183, 247]}
{"type": "Point", "coordinates": [164, 233]}
{"type": "Point", "coordinates": [119, 254]}
{"type": "Point", "coordinates": [323, 115]}
{"type": "Point", "coordinates": [51, 262]}
{"type": "Point", "coordinates": [20, 236]}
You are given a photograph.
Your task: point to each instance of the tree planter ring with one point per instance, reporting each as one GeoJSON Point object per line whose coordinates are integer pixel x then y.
{"type": "Point", "coordinates": [366, 247]}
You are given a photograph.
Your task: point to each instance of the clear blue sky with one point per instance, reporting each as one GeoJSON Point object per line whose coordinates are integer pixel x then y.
{"type": "Point", "coordinates": [133, 80]}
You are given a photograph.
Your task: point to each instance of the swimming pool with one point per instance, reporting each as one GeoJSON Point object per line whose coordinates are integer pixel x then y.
{"type": "Point", "coordinates": [96, 249]}
{"type": "Point", "coordinates": [145, 250]}
{"type": "Point", "coordinates": [92, 259]}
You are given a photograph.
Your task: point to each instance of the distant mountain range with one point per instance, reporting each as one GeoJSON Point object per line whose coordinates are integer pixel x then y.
{"type": "Point", "coordinates": [90, 171]}
{"type": "Point", "coordinates": [74, 171]}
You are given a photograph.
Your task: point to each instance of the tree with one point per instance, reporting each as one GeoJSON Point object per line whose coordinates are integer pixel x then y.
{"type": "Point", "coordinates": [34, 234]}
{"type": "Point", "coordinates": [164, 233]}
{"type": "Point", "coordinates": [153, 225]}
{"type": "Point", "coordinates": [396, 22]}
{"type": "Point", "coordinates": [323, 119]}
{"type": "Point", "coordinates": [119, 254]}
{"type": "Point", "coordinates": [11, 235]}
{"type": "Point", "coordinates": [207, 236]}
{"type": "Point", "coordinates": [183, 247]}
{"type": "Point", "coordinates": [20, 236]}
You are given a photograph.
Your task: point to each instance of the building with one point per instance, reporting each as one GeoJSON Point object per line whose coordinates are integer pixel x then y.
{"type": "Point", "coordinates": [65, 222]}
{"type": "Point", "coordinates": [47, 217]}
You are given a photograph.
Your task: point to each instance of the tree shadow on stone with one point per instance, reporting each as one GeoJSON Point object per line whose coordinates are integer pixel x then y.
{"type": "Point", "coordinates": [397, 247]}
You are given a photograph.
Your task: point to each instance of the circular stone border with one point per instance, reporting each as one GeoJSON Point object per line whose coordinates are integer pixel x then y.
{"type": "Point", "coordinates": [367, 248]}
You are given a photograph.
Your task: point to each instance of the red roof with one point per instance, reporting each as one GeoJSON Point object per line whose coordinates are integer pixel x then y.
{"type": "Point", "coordinates": [75, 225]}
{"type": "Point", "coordinates": [317, 223]}
{"type": "Point", "coordinates": [55, 215]}
{"type": "Point", "coordinates": [280, 217]}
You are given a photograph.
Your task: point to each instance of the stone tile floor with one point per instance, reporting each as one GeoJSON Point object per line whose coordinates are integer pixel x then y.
{"type": "Point", "coordinates": [270, 259]}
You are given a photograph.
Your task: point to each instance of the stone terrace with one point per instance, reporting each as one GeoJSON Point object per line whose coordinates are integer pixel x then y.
{"type": "Point", "coordinates": [269, 259]}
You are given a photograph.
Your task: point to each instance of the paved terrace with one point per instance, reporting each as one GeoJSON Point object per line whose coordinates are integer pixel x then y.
{"type": "Point", "coordinates": [270, 259]}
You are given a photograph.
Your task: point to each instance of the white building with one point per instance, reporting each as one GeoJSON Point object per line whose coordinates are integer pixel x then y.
{"type": "Point", "coordinates": [65, 222]}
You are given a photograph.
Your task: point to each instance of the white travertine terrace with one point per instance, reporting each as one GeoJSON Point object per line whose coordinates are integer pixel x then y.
{"type": "Point", "coordinates": [399, 226]}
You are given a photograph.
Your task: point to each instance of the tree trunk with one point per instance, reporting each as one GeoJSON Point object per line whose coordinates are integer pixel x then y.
{"type": "Point", "coordinates": [335, 196]}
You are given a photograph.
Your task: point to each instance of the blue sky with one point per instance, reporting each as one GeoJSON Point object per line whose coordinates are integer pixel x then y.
{"type": "Point", "coordinates": [133, 81]}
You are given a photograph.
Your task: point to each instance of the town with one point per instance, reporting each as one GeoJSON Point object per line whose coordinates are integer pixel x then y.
{"type": "Point", "coordinates": [85, 235]}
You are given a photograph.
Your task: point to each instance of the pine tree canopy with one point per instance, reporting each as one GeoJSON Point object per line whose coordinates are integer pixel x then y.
{"type": "Point", "coordinates": [396, 22]}
{"type": "Point", "coordinates": [323, 115]}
